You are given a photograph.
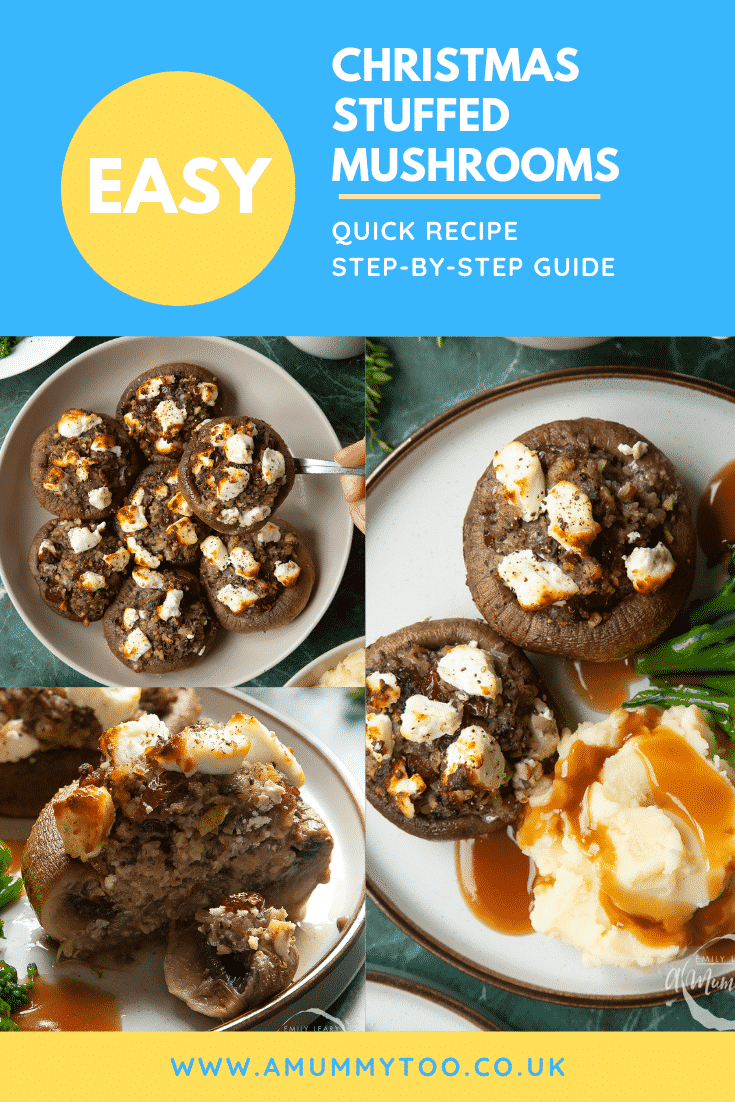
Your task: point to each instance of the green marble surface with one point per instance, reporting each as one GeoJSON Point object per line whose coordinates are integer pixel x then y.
{"type": "Point", "coordinates": [427, 380]}
{"type": "Point", "coordinates": [338, 388]}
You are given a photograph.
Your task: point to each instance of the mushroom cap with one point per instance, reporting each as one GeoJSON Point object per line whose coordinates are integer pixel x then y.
{"type": "Point", "coordinates": [433, 635]}
{"type": "Point", "coordinates": [637, 620]}
{"type": "Point", "coordinates": [191, 491]}
{"type": "Point", "coordinates": [65, 507]}
{"type": "Point", "coordinates": [43, 533]}
{"type": "Point", "coordinates": [178, 579]}
{"type": "Point", "coordinates": [287, 606]}
{"type": "Point", "coordinates": [180, 370]}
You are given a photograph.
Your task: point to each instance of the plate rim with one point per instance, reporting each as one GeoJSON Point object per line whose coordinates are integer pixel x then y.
{"type": "Point", "coordinates": [356, 925]}
{"type": "Point", "coordinates": [75, 362]}
{"type": "Point", "coordinates": [386, 466]}
{"type": "Point", "coordinates": [5, 374]}
{"type": "Point", "coordinates": [400, 982]}
{"type": "Point", "coordinates": [530, 382]}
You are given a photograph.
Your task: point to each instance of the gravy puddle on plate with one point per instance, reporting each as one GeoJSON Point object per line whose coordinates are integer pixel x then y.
{"type": "Point", "coordinates": [496, 879]}
{"type": "Point", "coordinates": [68, 1005]}
{"type": "Point", "coordinates": [716, 515]}
{"type": "Point", "coordinates": [602, 685]}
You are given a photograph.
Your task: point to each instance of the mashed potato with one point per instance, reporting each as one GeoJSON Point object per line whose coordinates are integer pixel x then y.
{"type": "Point", "coordinates": [350, 672]}
{"type": "Point", "coordinates": [634, 839]}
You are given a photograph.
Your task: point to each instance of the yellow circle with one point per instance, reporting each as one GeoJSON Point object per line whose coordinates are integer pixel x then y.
{"type": "Point", "coordinates": [153, 128]}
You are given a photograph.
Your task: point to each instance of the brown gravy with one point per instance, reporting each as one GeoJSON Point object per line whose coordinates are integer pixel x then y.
{"type": "Point", "coordinates": [495, 878]}
{"type": "Point", "coordinates": [716, 515]}
{"type": "Point", "coordinates": [67, 1005]}
{"type": "Point", "coordinates": [602, 685]}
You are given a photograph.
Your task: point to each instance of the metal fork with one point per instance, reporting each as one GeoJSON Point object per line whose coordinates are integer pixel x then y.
{"type": "Point", "coordinates": [324, 466]}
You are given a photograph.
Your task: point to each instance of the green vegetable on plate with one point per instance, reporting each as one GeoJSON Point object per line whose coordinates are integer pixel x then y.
{"type": "Point", "coordinates": [10, 888]}
{"type": "Point", "coordinates": [698, 666]}
{"type": "Point", "coordinates": [7, 344]}
{"type": "Point", "coordinates": [13, 995]}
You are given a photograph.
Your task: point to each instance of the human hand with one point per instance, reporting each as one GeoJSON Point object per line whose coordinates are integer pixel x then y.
{"type": "Point", "coordinates": [353, 486]}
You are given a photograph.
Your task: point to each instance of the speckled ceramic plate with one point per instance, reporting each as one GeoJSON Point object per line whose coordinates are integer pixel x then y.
{"type": "Point", "coordinates": [30, 352]}
{"type": "Point", "coordinates": [314, 670]}
{"type": "Point", "coordinates": [330, 956]}
{"type": "Point", "coordinates": [398, 1004]}
{"type": "Point", "coordinates": [254, 386]}
{"type": "Point", "coordinates": [418, 497]}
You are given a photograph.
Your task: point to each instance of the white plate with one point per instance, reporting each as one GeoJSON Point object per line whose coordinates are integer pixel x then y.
{"type": "Point", "coordinates": [311, 673]}
{"type": "Point", "coordinates": [255, 386]}
{"type": "Point", "coordinates": [30, 352]}
{"type": "Point", "coordinates": [398, 1004]}
{"type": "Point", "coordinates": [329, 958]}
{"type": "Point", "coordinates": [415, 570]}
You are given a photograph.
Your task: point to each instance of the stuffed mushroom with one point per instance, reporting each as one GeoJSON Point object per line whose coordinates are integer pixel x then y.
{"type": "Point", "coordinates": [257, 581]}
{"type": "Point", "coordinates": [169, 828]}
{"type": "Point", "coordinates": [235, 472]}
{"type": "Point", "coordinates": [579, 541]}
{"type": "Point", "coordinates": [83, 465]}
{"type": "Point", "coordinates": [460, 729]}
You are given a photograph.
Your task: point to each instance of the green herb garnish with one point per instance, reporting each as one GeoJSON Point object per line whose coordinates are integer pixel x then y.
{"type": "Point", "coordinates": [377, 366]}
{"type": "Point", "coordinates": [10, 888]}
{"type": "Point", "coordinates": [13, 995]}
{"type": "Point", "coordinates": [7, 344]}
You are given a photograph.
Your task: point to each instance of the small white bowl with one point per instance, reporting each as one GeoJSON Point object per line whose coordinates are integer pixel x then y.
{"type": "Point", "coordinates": [331, 348]}
{"type": "Point", "coordinates": [310, 674]}
{"type": "Point", "coordinates": [558, 344]}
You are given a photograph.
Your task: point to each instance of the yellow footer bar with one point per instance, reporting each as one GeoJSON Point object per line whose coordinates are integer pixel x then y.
{"type": "Point", "coordinates": [192, 1067]}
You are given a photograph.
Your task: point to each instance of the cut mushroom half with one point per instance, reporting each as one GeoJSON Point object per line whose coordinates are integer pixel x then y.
{"type": "Point", "coordinates": [240, 956]}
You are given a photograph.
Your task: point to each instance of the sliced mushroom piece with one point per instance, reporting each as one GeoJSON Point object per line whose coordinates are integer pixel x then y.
{"type": "Point", "coordinates": [240, 956]}
{"type": "Point", "coordinates": [52, 878]}
{"type": "Point", "coordinates": [312, 844]}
